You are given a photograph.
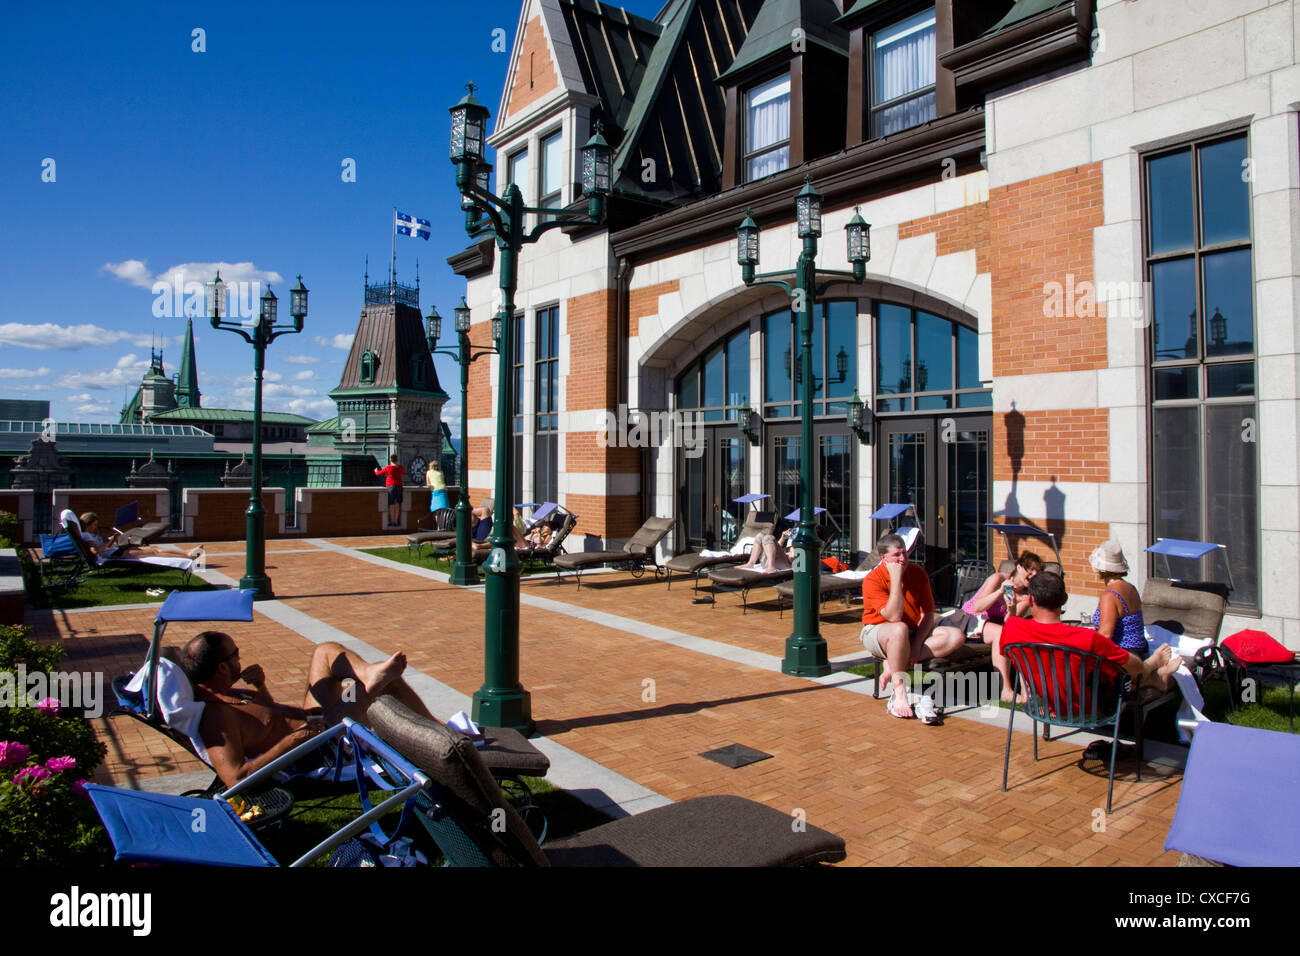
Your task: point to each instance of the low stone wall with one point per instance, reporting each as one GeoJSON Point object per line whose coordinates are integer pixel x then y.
{"type": "Point", "coordinates": [217, 514]}
{"type": "Point", "coordinates": [21, 502]}
{"type": "Point", "coordinates": [154, 503]}
{"type": "Point", "coordinates": [342, 512]}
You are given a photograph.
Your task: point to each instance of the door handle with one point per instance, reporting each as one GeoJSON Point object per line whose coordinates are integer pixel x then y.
{"type": "Point", "coordinates": [941, 516]}
{"type": "Point", "coordinates": [716, 503]}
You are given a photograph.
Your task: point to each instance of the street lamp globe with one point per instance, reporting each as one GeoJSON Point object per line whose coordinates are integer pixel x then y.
{"type": "Point", "coordinates": [217, 299]}
{"type": "Point", "coordinates": [434, 323]}
{"type": "Point", "coordinates": [298, 303]}
{"type": "Point", "coordinates": [808, 210]}
{"type": "Point", "coordinates": [468, 124]}
{"type": "Point", "coordinates": [597, 157]}
{"type": "Point", "coordinates": [269, 306]}
{"type": "Point", "coordinates": [858, 237]}
{"type": "Point", "coordinates": [497, 321]}
{"type": "Point", "coordinates": [462, 316]}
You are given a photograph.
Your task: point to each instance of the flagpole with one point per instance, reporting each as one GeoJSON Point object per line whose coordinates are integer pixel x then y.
{"type": "Point", "coordinates": [392, 265]}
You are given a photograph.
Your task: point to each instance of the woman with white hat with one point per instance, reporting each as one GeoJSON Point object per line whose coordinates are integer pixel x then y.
{"type": "Point", "coordinates": [1119, 616]}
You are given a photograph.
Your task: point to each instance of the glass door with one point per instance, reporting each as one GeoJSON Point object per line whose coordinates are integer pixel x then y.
{"type": "Point", "coordinates": [832, 476]}
{"type": "Point", "coordinates": [707, 515]}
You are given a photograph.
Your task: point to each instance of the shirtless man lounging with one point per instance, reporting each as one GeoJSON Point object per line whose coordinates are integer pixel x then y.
{"type": "Point", "coordinates": [244, 730]}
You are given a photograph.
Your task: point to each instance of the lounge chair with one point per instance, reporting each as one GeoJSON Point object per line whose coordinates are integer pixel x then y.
{"type": "Point", "coordinates": [160, 695]}
{"type": "Point", "coordinates": [1072, 688]}
{"type": "Point", "coordinates": [744, 579]}
{"type": "Point", "coordinates": [475, 826]}
{"type": "Point", "coordinates": [843, 584]}
{"type": "Point", "coordinates": [146, 533]}
{"type": "Point", "coordinates": [562, 526]}
{"type": "Point", "coordinates": [446, 547]}
{"type": "Point", "coordinates": [88, 562]}
{"type": "Point", "coordinates": [441, 527]}
{"type": "Point", "coordinates": [1239, 798]}
{"type": "Point", "coordinates": [698, 564]}
{"type": "Point", "coordinates": [635, 556]}
{"type": "Point", "coordinates": [158, 828]}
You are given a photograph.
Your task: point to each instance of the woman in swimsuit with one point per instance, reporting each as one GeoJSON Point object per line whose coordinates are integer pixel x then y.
{"type": "Point", "coordinates": [1119, 616]}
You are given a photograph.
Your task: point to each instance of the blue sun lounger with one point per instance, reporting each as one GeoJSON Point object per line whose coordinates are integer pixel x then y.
{"type": "Point", "coordinates": [158, 828]}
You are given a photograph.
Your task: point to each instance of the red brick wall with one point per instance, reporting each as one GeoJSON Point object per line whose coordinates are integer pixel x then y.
{"type": "Point", "coordinates": [218, 513]}
{"type": "Point", "coordinates": [330, 512]}
{"type": "Point", "coordinates": [615, 516]}
{"type": "Point", "coordinates": [1065, 445]}
{"type": "Point", "coordinates": [955, 231]}
{"type": "Point", "coordinates": [644, 302]}
{"type": "Point", "coordinates": [20, 504]}
{"type": "Point", "coordinates": [591, 386]}
{"type": "Point", "coordinates": [535, 74]}
{"type": "Point", "coordinates": [105, 502]}
{"type": "Point", "coordinates": [482, 408]}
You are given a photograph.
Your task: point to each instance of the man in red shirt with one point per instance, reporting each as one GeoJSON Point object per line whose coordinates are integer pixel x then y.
{"type": "Point", "coordinates": [393, 476]}
{"type": "Point", "coordinates": [898, 620]}
{"type": "Point", "coordinates": [1046, 598]}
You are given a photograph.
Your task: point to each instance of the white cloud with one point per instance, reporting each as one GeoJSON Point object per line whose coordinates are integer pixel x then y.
{"type": "Point", "coordinates": [341, 341]}
{"type": "Point", "coordinates": [320, 408]}
{"type": "Point", "coordinates": [272, 390]}
{"type": "Point", "coordinates": [24, 372]}
{"type": "Point", "coordinates": [45, 336]}
{"type": "Point", "coordinates": [92, 409]}
{"type": "Point", "coordinates": [128, 371]}
{"type": "Point", "coordinates": [306, 375]}
{"type": "Point", "coordinates": [299, 359]}
{"type": "Point", "coordinates": [130, 270]}
{"type": "Point", "coordinates": [137, 273]}
{"type": "Point", "coordinates": [83, 397]}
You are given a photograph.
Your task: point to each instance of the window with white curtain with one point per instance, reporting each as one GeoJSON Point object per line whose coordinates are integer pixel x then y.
{"type": "Point", "coordinates": [902, 75]}
{"type": "Point", "coordinates": [767, 128]}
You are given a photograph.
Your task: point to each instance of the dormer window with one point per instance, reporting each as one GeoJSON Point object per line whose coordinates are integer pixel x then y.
{"type": "Point", "coordinates": [367, 366]}
{"type": "Point", "coordinates": [767, 128]}
{"type": "Point", "coordinates": [902, 80]}
{"type": "Point", "coordinates": [417, 370]}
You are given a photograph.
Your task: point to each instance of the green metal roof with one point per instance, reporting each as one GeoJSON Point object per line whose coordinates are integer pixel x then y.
{"type": "Point", "coordinates": [113, 430]}
{"type": "Point", "coordinates": [329, 425]}
{"type": "Point", "coordinates": [229, 415]}
{"type": "Point", "coordinates": [772, 33]}
{"type": "Point", "coordinates": [187, 379]}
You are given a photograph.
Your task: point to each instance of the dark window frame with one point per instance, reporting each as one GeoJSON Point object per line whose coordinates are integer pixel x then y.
{"type": "Point", "coordinates": [820, 404]}
{"type": "Point", "coordinates": [552, 200]}
{"type": "Point", "coordinates": [954, 393]}
{"type": "Point", "coordinates": [872, 109]}
{"type": "Point", "coordinates": [546, 419]}
{"type": "Point", "coordinates": [788, 142]}
{"type": "Point", "coordinates": [1202, 362]}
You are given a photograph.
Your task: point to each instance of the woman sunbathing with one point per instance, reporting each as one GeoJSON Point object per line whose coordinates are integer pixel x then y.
{"type": "Point", "coordinates": [117, 546]}
{"type": "Point", "coordinates": [768, 555]}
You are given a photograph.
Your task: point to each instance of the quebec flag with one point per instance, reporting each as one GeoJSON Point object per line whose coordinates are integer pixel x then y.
{"type": "Point", "coordinates": [410, 226]}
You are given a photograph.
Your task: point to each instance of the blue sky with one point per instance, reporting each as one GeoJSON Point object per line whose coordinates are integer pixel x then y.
{"type": "Point", "coordinates": [167, 160]}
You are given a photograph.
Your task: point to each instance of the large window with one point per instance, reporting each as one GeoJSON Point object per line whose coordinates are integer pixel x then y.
{"type": "Point", "coordinates": [835, 362]}
{"type": "Point", "coordinates": [1205, 480]}
{"type": "Point", "coordinates": [902, 75]}
{"type": "Point", "coordinates": [767, 128]}
{"type": "Point", "coordinates": [925, 363]}
{"type": "Point", "coordinates": [546, 483]}
{"type": "Point", "coordinates": [552, 153]}
{"type": "Point", "coordinates": [517, 169]}
{"type": "Point", "coordinates": [717, 384]}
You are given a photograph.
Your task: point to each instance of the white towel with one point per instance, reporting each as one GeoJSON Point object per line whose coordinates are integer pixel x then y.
{"type": "Point", "coordinates": [176, 703]}
{"type": "Point", "coordinates": [851, 575]}
{"type": "Point", "coordinates": [1190, 709]}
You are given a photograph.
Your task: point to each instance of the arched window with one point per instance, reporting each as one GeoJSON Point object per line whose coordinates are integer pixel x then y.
{"type": "Point", "coordinates": [367, 366]}
{"type": "Point", "coordinates": [718, 383]}
{"type": "Point", "coordinates": [925, 363]}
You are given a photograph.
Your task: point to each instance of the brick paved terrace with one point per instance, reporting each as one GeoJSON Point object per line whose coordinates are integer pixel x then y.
{"type": "Point", "coordinates": [641, 680]}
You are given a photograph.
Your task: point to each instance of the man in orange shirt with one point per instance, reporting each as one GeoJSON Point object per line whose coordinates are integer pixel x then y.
{"type": "Point", "coordinates": [898, 620]}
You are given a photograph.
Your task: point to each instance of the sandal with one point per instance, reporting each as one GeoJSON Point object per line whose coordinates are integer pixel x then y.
{"type": "Point", "coordinates": [889, 708]}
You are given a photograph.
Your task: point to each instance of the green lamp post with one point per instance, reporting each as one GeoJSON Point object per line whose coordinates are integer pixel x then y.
{"type": "Point", "coordinates": [502, 700]}
{"type": "Point", "coordinates": [464, 571]}
{"type": "Point", "coordinates": [259, 332]}
{"type": "Point", "coordinates": [805, 648]}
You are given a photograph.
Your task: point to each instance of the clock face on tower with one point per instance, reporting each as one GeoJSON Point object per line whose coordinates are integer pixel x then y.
{"type": "Point", "coordinates": [418, 468]}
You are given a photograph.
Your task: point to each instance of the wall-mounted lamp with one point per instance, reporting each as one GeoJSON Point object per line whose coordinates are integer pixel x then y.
{"type": "Point", "coordinates": [859, 418]}
{"type": "Point", "coordinates": [749, 422]}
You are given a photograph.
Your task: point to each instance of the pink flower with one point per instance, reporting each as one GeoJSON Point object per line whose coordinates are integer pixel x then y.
{"type": "Point", "coordinates": [12, 753]}
{"type": "Point", "coordinates": [50, 705]}
{"type": "Point", "coordinates": [31, 775]}
{"type": "Point", "coordinates": [58, 764]}
{"type": "Point", "coordinates": [79, 788]}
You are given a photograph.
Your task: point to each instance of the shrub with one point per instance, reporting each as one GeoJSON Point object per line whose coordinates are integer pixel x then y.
{"type": "Point", "coordinates": [45, 752]}
{"type": "Point", "coordinates": [9, 533]}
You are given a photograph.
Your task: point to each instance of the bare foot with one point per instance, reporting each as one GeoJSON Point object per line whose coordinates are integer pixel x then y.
{"type": "Point", "coordinates": [901, 708]}
{"type": "Point", "coordinates": [1008, 697]}
{"type": "Point", "coordinates": [375, 677]}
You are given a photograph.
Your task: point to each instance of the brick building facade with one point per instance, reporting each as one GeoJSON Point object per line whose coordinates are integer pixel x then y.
{"type": "Point", "coordinates": [1079, 312]}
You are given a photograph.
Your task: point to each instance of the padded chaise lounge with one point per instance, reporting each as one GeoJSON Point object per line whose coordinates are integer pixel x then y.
{"type": "Point", "coordinates": [697, 564]}
{"type": "Point", "coordinates": [635, 556]}
{"type": "Point", "coordinates": [744, 579]}
{"type": "Point", "coordinates": [704, 831]}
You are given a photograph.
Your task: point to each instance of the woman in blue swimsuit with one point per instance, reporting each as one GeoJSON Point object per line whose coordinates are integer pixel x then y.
{"type": "Point", "coordinates": [1119, 616]}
